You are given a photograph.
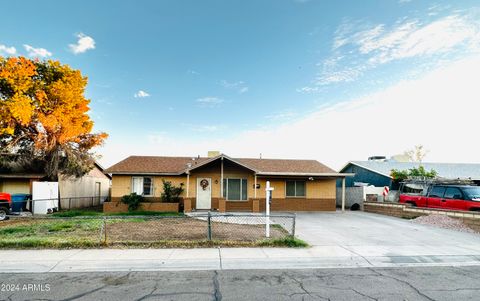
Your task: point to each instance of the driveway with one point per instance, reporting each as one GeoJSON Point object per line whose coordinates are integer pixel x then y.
{"type": "Point", "coordinates": [372, 234]}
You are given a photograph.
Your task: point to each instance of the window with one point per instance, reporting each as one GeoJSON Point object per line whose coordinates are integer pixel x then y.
{"type": "Point", "coordinates": [472, 193]}
{"type": "Point", "coordinates": [235, 189]}
{"type": "Point", "coordinates": [142, 185]}
{"type": "Point", "coordinates": [453, 193]}
{"type": "Point", "coordinates": [437, 192]}
{"type": "Point", "coordinates": [295, 188]}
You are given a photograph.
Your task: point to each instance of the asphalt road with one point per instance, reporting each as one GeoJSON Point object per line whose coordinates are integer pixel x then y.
{"type": "Point", "coordinates": [418, 283]}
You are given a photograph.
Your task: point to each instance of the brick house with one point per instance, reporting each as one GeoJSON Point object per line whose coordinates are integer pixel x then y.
{"type": "Point", "coordinates": [229, 184]}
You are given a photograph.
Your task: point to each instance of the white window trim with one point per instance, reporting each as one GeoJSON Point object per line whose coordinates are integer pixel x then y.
{"type": "Point", "coordinates": [142, 177]}
{"type": "Point", "coordinates": [241, 189]}
{"type": "Point", "coordinates": [296, 197]}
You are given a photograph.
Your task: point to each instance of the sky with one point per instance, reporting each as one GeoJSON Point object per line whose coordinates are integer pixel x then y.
{"type": "Point", "coordinates": [333, 81]}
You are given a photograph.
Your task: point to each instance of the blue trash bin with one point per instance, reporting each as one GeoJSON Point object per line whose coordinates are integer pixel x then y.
{"type": "Point", "coordinates": [19, 202]}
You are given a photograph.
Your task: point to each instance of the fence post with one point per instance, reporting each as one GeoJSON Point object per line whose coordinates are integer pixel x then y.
{"type": "Point", "coordinates": [293, 225]}
{"type": "Point", "coordinates": [105, 230]}
{"type": "Point", "coordinates": [209, 220]}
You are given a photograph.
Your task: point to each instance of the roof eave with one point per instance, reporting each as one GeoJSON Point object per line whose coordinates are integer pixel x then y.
{"type": "Point", "coordinates": [310, 174]}
{"type": "Point", "coordinates": [145, 173]}
{"type": "Point", "coordinates": [370, 169]}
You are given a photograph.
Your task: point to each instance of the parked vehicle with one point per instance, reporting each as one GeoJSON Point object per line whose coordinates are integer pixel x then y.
{"type": "Point", "coordinates": [441, 196]}
{"type": "Point", "coordinates": [5, 205]}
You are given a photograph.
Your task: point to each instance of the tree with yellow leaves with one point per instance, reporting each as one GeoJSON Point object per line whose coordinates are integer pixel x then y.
{"type": "Point", "coordinates": [44, 120]}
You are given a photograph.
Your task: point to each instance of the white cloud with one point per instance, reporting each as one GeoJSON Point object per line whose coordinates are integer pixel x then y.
{"type": "Point", "coordinates": [141, 94]}
{"type": "Point", "coordinates": [307, 89]}
{"type": "Point", "coordinates": [37, 52]}
{"type": "Point", "coordinates": [282, 116]}
{"type": "Point", "coordinates": [357, 48]}
{"type": "Point", "coordinates": [238, 86]}
{"type": "Point", "coordinates": [209, 101]}
{"type": "Point", "coordinates": [83, 44]}
{"type": "Point", "coordinates": [434, 110]}
{"type": "Point", "coordinates": [206, 128]}
{"type": "Point", "coordinates": [243, 90]}
{"type": "Point", "coordinates": [5, 50]}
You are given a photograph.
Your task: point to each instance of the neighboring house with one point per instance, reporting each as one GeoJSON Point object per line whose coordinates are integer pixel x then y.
{"type": "Point", "coordinates": [238, 183]}
{"type": "Point", "coordinates": [93, 187]}
{"type": "Point", "coordinates": [370, 177]}
{"type": "Point", "coordinates": [377, 173]}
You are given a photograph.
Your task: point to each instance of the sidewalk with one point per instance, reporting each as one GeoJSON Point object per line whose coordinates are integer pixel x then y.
{"type": "Point", "coordinates": [103, 260]}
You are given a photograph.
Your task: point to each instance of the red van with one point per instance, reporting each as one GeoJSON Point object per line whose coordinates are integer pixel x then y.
{"type": "Point", "coordinates": [5, 205]}
{"type": "Point", "coordinates": [452, 197]}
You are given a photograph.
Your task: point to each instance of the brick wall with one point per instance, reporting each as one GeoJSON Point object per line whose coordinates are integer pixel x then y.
{"type": "Point", "coordinates": [290, 204]}
{"type": "Point", "coordinates": [469, 218]}
{"type": "Point", "coordinates": [116, 207]}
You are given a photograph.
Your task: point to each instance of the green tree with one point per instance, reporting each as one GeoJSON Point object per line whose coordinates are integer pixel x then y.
{"type": "Point", "coordinates": [420, 172]}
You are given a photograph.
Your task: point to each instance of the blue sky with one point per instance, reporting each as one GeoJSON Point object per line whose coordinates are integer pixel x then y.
{"type": "Point", "coordinates": [185, 77]}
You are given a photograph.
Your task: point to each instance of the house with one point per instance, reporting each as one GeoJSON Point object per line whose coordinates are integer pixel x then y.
{"type": "Point", "coordinates": [92, 188]}
{"type": "Point", "coordinates": [222, 183]}
{"type": "Point", "coordinates": [377, 172]}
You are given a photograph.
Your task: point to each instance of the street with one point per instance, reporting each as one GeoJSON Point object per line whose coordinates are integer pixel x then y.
{"type": "Point", "coordinates": [408, 283]}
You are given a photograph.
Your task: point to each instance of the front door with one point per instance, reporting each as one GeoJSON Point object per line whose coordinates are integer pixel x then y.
{"type": "Point", "coordinates": [204, 193]}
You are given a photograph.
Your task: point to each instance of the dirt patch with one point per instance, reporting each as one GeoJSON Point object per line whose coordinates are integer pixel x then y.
{"type": "Point", "coordinates": [443, 221]}
{"type": "Point", "coordinates": [185, 229]}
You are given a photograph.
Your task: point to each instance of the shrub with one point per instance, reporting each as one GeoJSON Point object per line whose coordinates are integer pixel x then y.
{"type": "Point", "coordinates": [132, 200]}
{"type": "Point", "coordinates": [420, 172]}
{"type": "Point", "coordinates": [171, 194]}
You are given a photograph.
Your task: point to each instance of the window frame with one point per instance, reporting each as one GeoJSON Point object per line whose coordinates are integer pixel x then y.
{"type": "Point", "coordinates": [151, 187]}
{"type": "Point", "coordinates": [435, 196]}
{"type": "Point", "coordinates": [225, 188]}
{"type": "Point", "coordinates": [296, 196]}
{"type": "Point", "coordinates": [458, 189]}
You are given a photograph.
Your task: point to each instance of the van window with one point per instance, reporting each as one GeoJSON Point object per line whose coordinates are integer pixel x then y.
{"type": "Point", "coordinates": [453, 193]}
{"type": "Point", "coordinates": [437, 192]}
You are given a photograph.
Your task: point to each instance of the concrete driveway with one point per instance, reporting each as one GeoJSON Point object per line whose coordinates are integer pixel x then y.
{"type": "Point", "coordinates": [371, 234]}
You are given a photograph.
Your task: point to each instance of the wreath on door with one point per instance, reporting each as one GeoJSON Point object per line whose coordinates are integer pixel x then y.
{"type": "Point", "coordinates": [204, 184]}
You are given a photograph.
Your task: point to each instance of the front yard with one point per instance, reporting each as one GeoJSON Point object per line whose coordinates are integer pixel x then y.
{"type": "Point", "coordinates": [90, 229]}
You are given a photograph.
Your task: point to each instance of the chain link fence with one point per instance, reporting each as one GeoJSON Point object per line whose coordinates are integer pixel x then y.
{"type": "Point", "coordinates": [118, 230]}
{"type": "Point", "coordinates": [43, 206]}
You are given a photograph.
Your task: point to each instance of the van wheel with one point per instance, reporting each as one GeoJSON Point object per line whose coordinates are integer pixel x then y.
{"type": "Point", "coordinates": [412, 204]}
{"type": "Point", "coordinates": [3, 214]}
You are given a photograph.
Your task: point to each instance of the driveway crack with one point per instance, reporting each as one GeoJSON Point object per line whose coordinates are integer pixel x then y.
{"type": "Point", "coordinates": [360, 255]}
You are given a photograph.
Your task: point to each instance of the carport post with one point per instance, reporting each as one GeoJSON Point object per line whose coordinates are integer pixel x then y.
{"type": "Point", "coordinates": [343, 194]}
{"type": "Point", "coordinates": [188, 183]}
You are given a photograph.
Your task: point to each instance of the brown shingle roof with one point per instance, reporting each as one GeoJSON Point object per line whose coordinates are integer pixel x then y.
{"type": "Point", "coordinates": [286, 165]}
{"type": "Point", "coordinates": [152, 164]}
{"type": "Point", "coordinates": [178, 165]}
